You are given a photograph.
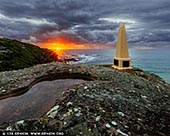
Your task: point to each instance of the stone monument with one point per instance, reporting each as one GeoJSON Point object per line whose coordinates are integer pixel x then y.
{"type": "Point", "coordinates": [121, 59]}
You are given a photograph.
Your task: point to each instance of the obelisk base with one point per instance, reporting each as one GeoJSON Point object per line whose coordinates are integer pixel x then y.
{"type": "Point", "coordinates": [122, 63]}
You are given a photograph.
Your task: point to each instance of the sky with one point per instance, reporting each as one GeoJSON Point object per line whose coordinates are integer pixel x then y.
{"type": "Point", "coordinates": [86, 23]}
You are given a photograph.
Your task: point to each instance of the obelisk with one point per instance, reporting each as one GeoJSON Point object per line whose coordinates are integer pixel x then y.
{"type": "Point", "coordinates": [121, 59]}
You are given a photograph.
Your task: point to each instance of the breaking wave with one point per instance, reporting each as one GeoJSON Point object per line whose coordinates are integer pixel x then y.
{"type": "Point", "coordinates": [80, 59]}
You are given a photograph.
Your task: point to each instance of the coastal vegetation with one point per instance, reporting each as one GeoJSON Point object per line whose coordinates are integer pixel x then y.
{"type": "Point", "coordinates": [17, 55]}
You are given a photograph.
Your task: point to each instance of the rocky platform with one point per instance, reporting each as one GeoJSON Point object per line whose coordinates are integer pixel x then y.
{"type": "Point", "coordinates": [111, 102]}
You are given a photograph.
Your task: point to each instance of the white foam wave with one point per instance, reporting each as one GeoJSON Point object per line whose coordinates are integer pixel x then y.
{"type": "Point", "coordinates": [82, 58]}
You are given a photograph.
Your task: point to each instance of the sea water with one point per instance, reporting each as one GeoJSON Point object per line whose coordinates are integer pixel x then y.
{"type": "Point", "coordinates": [156, 60]}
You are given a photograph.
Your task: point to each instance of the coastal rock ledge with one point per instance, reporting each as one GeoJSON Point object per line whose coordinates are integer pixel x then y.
{"type": "Point", "coordinates": [110, 102]}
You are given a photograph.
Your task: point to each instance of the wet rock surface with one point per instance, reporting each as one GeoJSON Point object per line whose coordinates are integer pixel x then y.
{"type": "Point", "coordinates": [34, 103]}
{"type": "Point", "coordinates": [112, 102]}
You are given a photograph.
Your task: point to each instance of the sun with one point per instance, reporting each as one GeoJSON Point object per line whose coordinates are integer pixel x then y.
{"type": "Point", "coordinates": [58, 48]}
{"type": "Point", "coordinates": [59, 51]}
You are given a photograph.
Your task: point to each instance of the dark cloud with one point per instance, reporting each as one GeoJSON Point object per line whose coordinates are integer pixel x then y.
{"type": "Point", "coordinates": [88, 21]}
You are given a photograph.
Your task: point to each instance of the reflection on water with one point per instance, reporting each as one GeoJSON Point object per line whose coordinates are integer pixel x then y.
{"type": "Point", "coordinates": [38, 100]}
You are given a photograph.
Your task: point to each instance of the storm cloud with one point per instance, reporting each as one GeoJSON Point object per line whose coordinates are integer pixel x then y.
{"type": "Point", "coordinates": [85, 21]}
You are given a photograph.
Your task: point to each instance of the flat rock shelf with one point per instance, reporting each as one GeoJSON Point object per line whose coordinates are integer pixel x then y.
{"type": "Point", "coordinates": [35, 102]}
{"type": "Point", "coordinates": [110, 102]}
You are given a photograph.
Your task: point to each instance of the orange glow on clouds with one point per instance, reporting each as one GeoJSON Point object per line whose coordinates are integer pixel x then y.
{"type": "Point", "coordinates": [58, 45]}
{"type": "Point", "coordinates": [69, 46]}
{"type": "Point", "coordinates": [63, 45]}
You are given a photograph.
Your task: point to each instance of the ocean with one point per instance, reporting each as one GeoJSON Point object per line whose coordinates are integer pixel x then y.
{"type": "Point", "coordinates": [156, 60]}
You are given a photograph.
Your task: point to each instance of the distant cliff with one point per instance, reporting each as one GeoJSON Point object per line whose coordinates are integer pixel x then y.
{"type": "Point", "coordinates": [18, 55]}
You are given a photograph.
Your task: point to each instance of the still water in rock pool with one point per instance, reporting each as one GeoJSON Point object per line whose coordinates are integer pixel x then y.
{"type": "Point", "coordinates": [34, 103]}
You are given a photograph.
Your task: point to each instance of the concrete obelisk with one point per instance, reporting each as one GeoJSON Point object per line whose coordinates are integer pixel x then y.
{"type": "Point", "coordinates": [121, 59]}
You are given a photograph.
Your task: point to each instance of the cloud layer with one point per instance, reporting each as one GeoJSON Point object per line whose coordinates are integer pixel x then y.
{"type": "Point", "coordinates": [85, 21]}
